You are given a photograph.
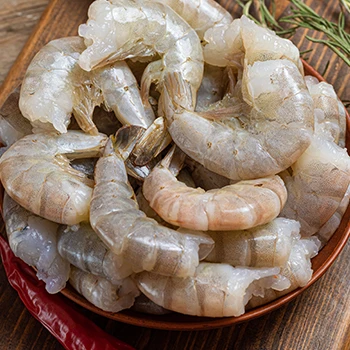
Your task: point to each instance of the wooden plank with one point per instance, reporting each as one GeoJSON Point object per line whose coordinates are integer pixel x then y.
{"type": "Point", "coordinates": [318, 319]}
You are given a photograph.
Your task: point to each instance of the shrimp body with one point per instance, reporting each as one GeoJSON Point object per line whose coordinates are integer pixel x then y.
{"type": "Point", "coordinates": [265, 134]}
{"type": "Point", "coordinates": [102, 293]}
{"type": "Point", "coordinates": [33, 239]}
{"type": "Point", "coordinates": [81, 246]}
{"type": "Point", "coordinates": [55, 86]}
{"type": "Point", "coordinates": [35, 172]}
{"type": "Point", "coordinates": [235, 207]}
{"type": "Point", "coordinates": [116, 218]}
{"type": "Point", "coordinates": [199, 14]}
{"type": "Point", "coordinates": [330, 117]}
{"type": "Point", "coordinates": [215, 290]}
{"type": "Point", "coordinates": [316, 184]}
{"type": "Point", "coordinates": [297, 270]}
{"type": "Point", "coordinates": [117, 30]}
{"type": "Point", "coordinates": [263, 246]}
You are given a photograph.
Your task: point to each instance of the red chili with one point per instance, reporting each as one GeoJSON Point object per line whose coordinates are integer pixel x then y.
{"type": "Point", "coordinates": [72, 329]}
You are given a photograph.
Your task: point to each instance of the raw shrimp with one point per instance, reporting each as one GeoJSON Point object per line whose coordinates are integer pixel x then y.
{"type": "Point", "coordinates": [33, 239]}
{"type": "Point", "coordinates": [151, 28]}
{"type": "Point", "coordinates": [116, 218]}
{"type": "Point", "coordinates": [12, 124]}
{"type": "Point", "coordinates": [326, 231]}
{"type": "Point", "coordinates": [235, 207]}
{"type": "Point", "coordinates": [316, 184]}
{"type": "Point", "coordinates": [35, 172]}
{"type": "Point", "coordinates": [261, 136]}
{"type": "Point", "coordinates": [215, 290]}
{"type": "Point", "coordinates": [330, 117]}
{"type": "Point", "coordinates": [81, 246]}
{"type": "Point", "coordinates": [102, 293]}
{"type": "Point", "coordinates": [244, 42]}
{"type": "Point", "coordinates": [263, 246]}
{"type": "Point", "coordinates": [298, 270]}
{"type": "Point", "coordinates": [199, 14]}
{"type": "Point", "coordinates": [55, 86]}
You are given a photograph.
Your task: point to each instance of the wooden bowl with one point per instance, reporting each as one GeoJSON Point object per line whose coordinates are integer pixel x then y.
{"type": "Point", "coordinates": [175, 321]}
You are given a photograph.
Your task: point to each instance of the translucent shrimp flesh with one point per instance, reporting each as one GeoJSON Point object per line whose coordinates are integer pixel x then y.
{"type": "Point", "coordinates": [81, 246]}
{"type": "Point", "coordinates": [240, 206]}
{"type": "Point", "coordinates": [33, 239]}
{"type": "Point", "coordinates": [316, 184]}
{"type": "Point", "coordinates": [102, 293]}
{"type": "Point", "coordinates": [330, 114]}
{"type": "Point", "coordinates": [298, 270]}
{"type": "Point", "coordinates": [199, 14]}
{"type": "Point", "coordinates": [215, 290]}
{"type": "Point", "coordinates": [147, 306]}
{"type": "Point", "coordinates": [258, 137]}
{"type": "Point", "coordinates": [150, 29]}
{"type": "Point", "coordinates": [263, 246]}
{"type": "Point", "coordinates": [116, 218]}
{"type": "Point", "coordinates": [35, 172]}
{"type": "Point", "coordinates": [55, 86]}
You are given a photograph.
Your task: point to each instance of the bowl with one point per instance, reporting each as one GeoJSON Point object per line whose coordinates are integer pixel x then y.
{"type": "Point", "coordinates": [179, 322]}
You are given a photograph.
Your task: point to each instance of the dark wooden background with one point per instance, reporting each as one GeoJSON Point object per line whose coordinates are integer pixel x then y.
{"type": "Point", "coordinates": [318, 319]}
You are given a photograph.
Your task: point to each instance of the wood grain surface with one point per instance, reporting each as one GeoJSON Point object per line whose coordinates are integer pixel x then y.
{"type": "Point", "coordinates": [318, 319]}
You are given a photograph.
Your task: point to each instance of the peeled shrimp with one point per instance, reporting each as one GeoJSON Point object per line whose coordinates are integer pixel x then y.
{"type": "Point", "coordinates": [263, 246]}
{"type": "Point", "coordinates": [260, 136]}
{"type": "Point", "coordinates": [82, 248]}
{"type": "Point", "coordinates": [235, 207]}
{"type": "Point", "coordinates": [35, 172]}
{"type": "Point", "coordinates": [215, 290]}
{"type": "Point", "coordinates": [102, 293]}
{"type": "Point", "coordinates": [330, 114]}
{"type": "Point", "coordinates": [151, 28]}
{"type": "Point", "coordinates": [199, 14]}
{"type": "Point", "coordinates": [116, 218]}
{"type": "Point", "coordinates": [298, 270]}
{"type": "Point", "coordinates": [12, 124]}
{"type": "Point", "coordinates": [316, 184]}
{"type": "Point", "coordinates": [243, 40]}
{"type": "Point", "coordinates": [55, 86]}
{"type": "Point", "coordinates": [33, 239]}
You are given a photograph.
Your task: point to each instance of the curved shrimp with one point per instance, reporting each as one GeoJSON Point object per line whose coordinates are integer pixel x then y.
{"type": "Point", "coordinates": [263, 246]}
{"type": "Point", "coordinates": [55, 86]}
{"type": "Point", "coordinates": [235, 207]}
{"type": "Point", "coordinates": [330, 114]}
{"type": "Point", "coordinates": [316, 184]}
{"type": "Point", "coordinates": [215, 290]}
{"type": "Point", "coordinates": [81, 246]}
{"type": "Point", "coordinates": [35, 172]}
{"type": "Point", "coordinates": [199, 14]}
{"type": "Point", "coordinates": [33, 239]}
{"type": "Point", "coordinates": [102, 293]}
{"type": "Point", "coordinates": [116, 218]}
{"type": "Point", "coordinates": [151, 28]}
{"type": "Point", "coordinates": [298, 270]}
{"type": "Point", "coordinates": [243, 40]}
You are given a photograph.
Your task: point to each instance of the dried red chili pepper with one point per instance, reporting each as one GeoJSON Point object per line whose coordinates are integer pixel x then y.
{"type": "Point", "coordinates": [72, 329]}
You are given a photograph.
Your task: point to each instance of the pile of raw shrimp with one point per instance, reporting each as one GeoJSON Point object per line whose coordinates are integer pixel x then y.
{"type": "Point", "coordinates": [201, 171]}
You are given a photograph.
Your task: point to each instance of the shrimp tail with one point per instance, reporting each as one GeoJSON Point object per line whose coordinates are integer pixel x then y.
{"type": "Point", "coordinates": [125, 140]}
{"type": "Point", "coordinates": [174, 160]}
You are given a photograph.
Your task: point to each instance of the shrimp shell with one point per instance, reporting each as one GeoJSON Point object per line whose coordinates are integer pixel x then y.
{"type": "Point", "coordinates": [102, 293]}
{"type": "Point", "coordinates": [36, 173]}
{"type": "Point", "coordinates": [235, 207]}
{"type": "Point", "coordinates": [81, 246]}
{"type": "Point", "coordinates": [33, 239]}
{"type": "Point", "coordinates": [216, 290]}
{"type": "Point", "coordinates": [263, 246]}
{"type": "Point", "coordinates": [116, 218]}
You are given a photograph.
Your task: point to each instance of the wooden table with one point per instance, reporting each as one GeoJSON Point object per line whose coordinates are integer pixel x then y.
{"type": "Point", "coordinates": [318, 319]}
